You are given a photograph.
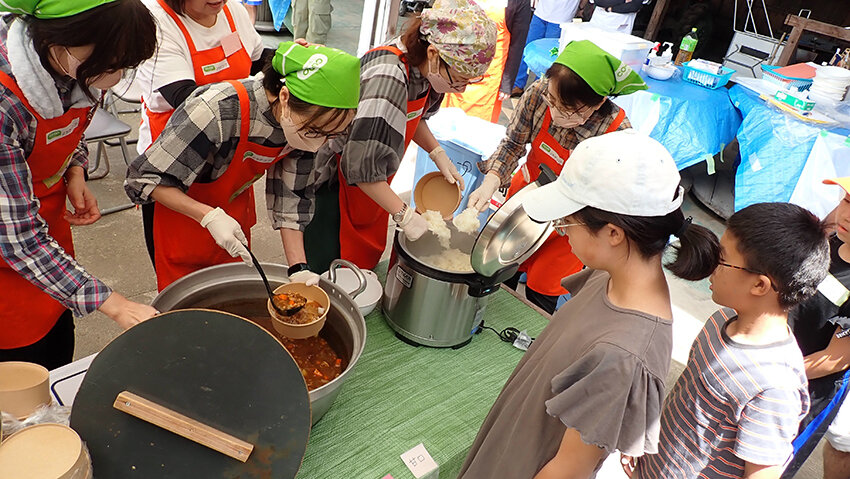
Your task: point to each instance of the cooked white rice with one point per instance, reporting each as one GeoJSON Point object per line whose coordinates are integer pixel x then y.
{"type": "Point", "coordinates": [437, 225]}
{"type": "Point", "coordinates": [467, 221]}
{"type": "Point", "coordinates": [450, 260]}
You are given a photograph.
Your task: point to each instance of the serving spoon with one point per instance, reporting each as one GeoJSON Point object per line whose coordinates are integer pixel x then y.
{"type": "Point", "coordinates": [282, 303]}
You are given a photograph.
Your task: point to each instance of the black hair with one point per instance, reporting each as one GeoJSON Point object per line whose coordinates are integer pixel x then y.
{"type": "Point", "coordinates": [696, 256]}
{"type": "Point", "coordinates": [415, 42]}
{"type": "Point", "coordinates": [179, 6]}
{"type": "Point", "coordinates": [123, 33]}
{"type": "Point", "coordinates": [573, 91]}
{"type": "Point", "coordinates": [787, 243]}
{"type": "Point", "coordinates": [272, 83]}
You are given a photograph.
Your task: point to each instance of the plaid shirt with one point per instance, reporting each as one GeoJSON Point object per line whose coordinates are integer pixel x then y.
{"type": "Point", "coordinates": [200, 140]}
{"type": "Point", "coordinates": [526, 124]}
{"type": "Point", "coordinates": [25, 243]}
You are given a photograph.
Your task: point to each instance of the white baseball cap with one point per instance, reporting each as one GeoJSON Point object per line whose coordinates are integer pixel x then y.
{"type": "Point", "coordinates": [624, 172]}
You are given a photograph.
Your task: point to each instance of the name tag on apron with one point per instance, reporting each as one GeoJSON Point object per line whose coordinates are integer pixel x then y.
{"type": "Point", "coordinates": [415, 114]}
{"type": "Point", "coordinates": [62, 132]}
{"type": "Point", "coordinates": [250, 155]}
{"type": "Point", "coordinates": [215, 67]}
{"type": "Point", "coordinates": [231, 44]}
{"type": "Point", "coordinates": [551, 153]}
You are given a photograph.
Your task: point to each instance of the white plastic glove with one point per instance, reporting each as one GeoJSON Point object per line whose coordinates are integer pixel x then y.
{"type": "Point", "coordinates": [227, 233]}
{"type": "Point", "coordinates": [307, 277]}
{"type": "Point", "coordinates": [444, 164]}
{"type": "Point", "coordinates": [480, 198]}
{"type": "Point", "coordinates": [413, 225]}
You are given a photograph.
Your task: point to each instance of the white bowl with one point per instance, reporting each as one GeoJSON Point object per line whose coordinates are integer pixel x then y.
{"type": "Point", "coordinates": [660, 72]}
{"type": "Point", "coordinates": [347, 281]}
{"type": "Point", "coordinates": [833, 72]}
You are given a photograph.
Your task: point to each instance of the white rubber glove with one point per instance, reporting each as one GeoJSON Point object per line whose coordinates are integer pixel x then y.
{"type": "Point", "coordinates": [480, 198]}
{"type": "Point", "coordinates": [413, 225]}
{"type": "Point", "coordinates": [307, 277]}
{"type": "Point", "coordinates": [227, 233]}
{"type": "Point", "coordinates": [444, 164]}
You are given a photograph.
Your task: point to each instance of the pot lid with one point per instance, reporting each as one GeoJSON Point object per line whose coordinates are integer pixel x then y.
{"type": "Point", "coordinates": [215, 368]}
{"type": "Point", "coordinates": [510, 236]}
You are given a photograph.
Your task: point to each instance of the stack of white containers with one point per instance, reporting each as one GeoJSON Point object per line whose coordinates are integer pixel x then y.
{"type": "Point", "coordinates": [830, 83]}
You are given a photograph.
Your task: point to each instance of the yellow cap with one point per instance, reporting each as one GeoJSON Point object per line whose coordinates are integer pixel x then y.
{"type": "Point", "coordinates": [842, 182]}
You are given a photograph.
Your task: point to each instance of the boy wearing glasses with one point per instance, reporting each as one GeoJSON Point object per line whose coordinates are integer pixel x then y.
{"type": "Point", "coordinates": [736, 408]}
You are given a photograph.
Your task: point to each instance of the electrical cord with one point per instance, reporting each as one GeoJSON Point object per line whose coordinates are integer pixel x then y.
{"type": "Point", "coordinates": [507, 335]}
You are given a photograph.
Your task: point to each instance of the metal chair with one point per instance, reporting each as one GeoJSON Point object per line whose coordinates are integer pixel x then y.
{"type": "Point", "coordinates": [106, 126]}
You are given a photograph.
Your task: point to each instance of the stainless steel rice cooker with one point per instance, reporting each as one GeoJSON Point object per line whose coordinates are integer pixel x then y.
{"type": "Point", "coordinates": [431, 306]}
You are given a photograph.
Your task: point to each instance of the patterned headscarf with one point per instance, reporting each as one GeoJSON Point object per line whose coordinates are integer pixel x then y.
{"type": "Point", "coordinates": [463, 34]}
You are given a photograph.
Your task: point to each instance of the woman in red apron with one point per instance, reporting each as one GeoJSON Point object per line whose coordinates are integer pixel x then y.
{"type": "Point", "coordinates": [200, 42]}
{"type": "Point", "coordinates": [200, 171]}
{"type": "Point", "coordinates": [403, 83]}
{"type": "Point", "coordinates": [556, 113]}
{"type": "Point", "coordinates": [84, 42]}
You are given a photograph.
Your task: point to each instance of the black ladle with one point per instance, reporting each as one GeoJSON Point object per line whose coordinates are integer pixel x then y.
{"type": "Point", "coordinates": [282, 311]}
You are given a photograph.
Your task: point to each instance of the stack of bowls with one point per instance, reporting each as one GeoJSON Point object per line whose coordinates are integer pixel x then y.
{"type": "Point", "coordinates": [830, 83]}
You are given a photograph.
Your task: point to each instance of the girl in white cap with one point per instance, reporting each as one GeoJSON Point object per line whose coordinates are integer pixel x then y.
{"type": "Point", "coordinates": [593, 382]}
{"type": "Point", "coordinates": [200, 171]}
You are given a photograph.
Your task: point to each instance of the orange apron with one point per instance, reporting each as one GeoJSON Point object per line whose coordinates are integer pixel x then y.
{"type": "Point", "coordinates": [363, 224]}
{"type": "Point", "coordinates": [28, 313]}
{"type": "Point", "coordinates": [482, 99]}
{"type": "Point", "coordinates": [210, 66]}
{"type": "Point", "coordinates": [554, 260]}
{"type": "Point", "coordinates": [182, 245]}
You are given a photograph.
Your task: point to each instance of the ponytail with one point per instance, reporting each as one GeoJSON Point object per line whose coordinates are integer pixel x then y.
{"type": "Point", "coordinates": [697, 255]}
{"type": "Point", "coordinates": [698, 252]}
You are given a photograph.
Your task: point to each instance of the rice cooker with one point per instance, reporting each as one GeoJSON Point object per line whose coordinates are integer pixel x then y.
{"type": "Point", "coordinates": [441, 307]}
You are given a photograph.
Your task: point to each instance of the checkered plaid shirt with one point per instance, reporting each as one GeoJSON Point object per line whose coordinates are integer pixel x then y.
{"type": "Point", "coordinates": [25, 242]}
{"type": "Point", "coordinates": [200, 139]}
{"type": "Point", "coordinates": [526, 123]}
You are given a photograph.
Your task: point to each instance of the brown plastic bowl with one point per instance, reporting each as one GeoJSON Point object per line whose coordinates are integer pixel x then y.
{"type": "Point", "coordinates": [23, 388]}
{"type": "Point", "coordinates": [433, 192]}
{"type": "Point", "coordinates": [300, 331]}
{"type": "Point", "coordinates": [44, 451]}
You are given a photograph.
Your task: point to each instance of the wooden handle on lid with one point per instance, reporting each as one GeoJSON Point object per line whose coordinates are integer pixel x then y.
{"type": "Point", "coordinates": [181, 425]}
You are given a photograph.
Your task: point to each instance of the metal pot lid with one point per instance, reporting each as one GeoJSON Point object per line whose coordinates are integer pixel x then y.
{"type": "Point", "coordinates": [510, 235]}
{"type": "Point", "coordinates": [213, 367]}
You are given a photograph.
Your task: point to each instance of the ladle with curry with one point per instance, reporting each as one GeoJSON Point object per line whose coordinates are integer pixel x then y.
{"type": "Point", "coordinates": [285, 304]}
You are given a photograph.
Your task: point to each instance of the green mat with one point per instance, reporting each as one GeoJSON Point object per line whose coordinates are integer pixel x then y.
{"type": "Point", "coordinates": [400, 395]}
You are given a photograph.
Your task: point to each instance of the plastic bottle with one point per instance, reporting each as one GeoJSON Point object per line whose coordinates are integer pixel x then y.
{"type": "Point", "coordinates": [686, 49]}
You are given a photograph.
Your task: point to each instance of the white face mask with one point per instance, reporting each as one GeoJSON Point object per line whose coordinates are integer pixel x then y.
{"type": "Point", "coordinates": [440, 84]}
{"type": "Point", "coordinates": [566, 121]}
{"type": "Point", "coordinates": [103, 81]}
{"type": "Point", "coordinates": [295, 138]}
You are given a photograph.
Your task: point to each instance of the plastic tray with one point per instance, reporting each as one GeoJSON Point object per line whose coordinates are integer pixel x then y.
{"type": "Point", "coordinates": [705, 79]}
{"type": "Point", "coordinates": [770, 74]}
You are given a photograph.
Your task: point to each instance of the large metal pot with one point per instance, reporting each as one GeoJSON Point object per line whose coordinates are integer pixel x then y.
{"type": "Point", "coordinates": [240, 288]}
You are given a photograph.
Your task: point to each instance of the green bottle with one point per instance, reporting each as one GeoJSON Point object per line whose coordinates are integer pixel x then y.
{"type": "Point", "coordinates": [686, 49]}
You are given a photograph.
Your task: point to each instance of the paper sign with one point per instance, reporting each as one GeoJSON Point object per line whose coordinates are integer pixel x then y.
{"type": "Point", "coordinates": [419, 461]}
{"type": "Point", "coordinates": [231, 44]}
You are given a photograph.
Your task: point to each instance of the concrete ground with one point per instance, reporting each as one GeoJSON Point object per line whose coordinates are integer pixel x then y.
{"type": "Point", "coordinates": [113, 249]}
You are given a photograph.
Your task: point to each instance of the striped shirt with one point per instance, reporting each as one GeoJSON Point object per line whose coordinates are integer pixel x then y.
{"type": "Point", "coordinates": [733, 403]}
{"type": "Point", "coordinates": [25, 242]}
{"type": "Point", "coordinates": [527, 121]}
{"type": "Point", "coordinates": [375, 144]}
{"type": "Point", "coordinates": [200, 140]}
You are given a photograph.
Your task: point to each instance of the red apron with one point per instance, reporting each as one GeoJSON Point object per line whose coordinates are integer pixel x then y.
{"type": "Point", "coordinates": [28, 313]}
{"type": "Point", "coordinates": [210, 66]}
{"type": "Point", "coordinates": [363, 224]}
{"type": "Point", "coordinates": [554, 260]}
{"type": "Point", "coordinates": [182, 245]}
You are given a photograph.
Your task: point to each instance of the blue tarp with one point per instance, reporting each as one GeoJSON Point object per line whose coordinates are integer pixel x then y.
{"type": "Point", "coordinates": [774, 149]}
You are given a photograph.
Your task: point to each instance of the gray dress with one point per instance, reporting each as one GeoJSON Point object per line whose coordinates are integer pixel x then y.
{"type": "Point", "coordinates": [596, 368]}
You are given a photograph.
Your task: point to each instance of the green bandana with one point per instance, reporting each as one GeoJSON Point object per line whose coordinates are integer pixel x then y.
{"type": "Point", "coordinates": [605, 73]}
{"type": "Point", "coordinates": [49, 8]}
{"type": "Point", "coordinates": [319, 75]}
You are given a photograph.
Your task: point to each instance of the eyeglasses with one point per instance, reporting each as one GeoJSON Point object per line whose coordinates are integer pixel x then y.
{"type": "Point", "coordinates": [550, 101]}
{"type": "Point", "coordinates": [462, 82]}
{"type": "Point", "coordinates": [311, 133]}
{"type": "Point", "coordinates": [748, 270]}
{"type": "Point", "coordinates": [561, 226]}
